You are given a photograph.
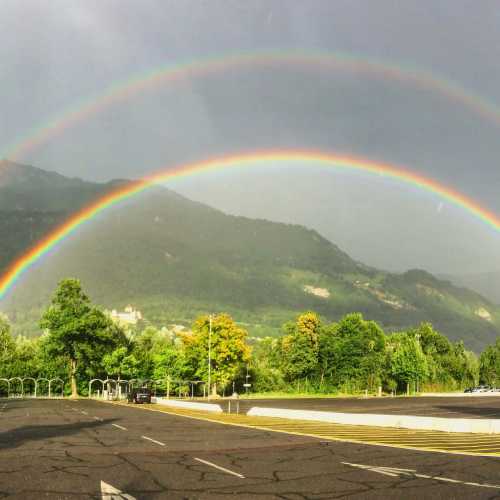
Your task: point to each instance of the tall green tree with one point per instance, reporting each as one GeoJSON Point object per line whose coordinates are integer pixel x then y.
{"type": "Point", "coordinates": [121, 363]}
{"type": "Point", "coordinates": [326, 353]}
{"type": "Point", "coordinates": [300, 348]}
{"type": "Point", "coordinates": [357, 351]}
{"type": "Point", "coordinates": [229, 350]}
{"type": "Point", "coordinates": [26, 359]}
{"type": "Point", "coordinates": [408, 361]}
{"type": "Point", "coordinates": [148, 344]}
{"type": "Point", "coordinates": [264, 368]}
{"type": "Point", "coordinates": [489, 364]}
{"type": "Point", "coordinates": [78, 331]}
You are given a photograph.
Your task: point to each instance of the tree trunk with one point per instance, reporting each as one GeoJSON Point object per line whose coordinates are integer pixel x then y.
{"type": "Point", "coordinates": [74, 390]}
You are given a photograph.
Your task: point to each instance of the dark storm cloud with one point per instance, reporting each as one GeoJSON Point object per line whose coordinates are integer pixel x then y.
{"type": "Point", "coordinates": [55, 53]}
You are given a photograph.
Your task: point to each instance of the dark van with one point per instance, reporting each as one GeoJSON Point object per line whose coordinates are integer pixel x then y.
{"type": "Point", "coordinates": [139, 396]}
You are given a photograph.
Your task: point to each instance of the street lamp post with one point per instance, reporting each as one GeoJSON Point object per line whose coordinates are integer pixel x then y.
{"type": "Point", "coordinates": [209, 354]}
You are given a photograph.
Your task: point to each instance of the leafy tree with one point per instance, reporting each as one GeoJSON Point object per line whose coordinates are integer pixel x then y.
{"type": "Point", "coordinates": [298, 359]}
{"type": "Point", "coordinates": [120, 363]}
{"type": "Point", "coordinates": [489, 364]}
{"type": "Point", "coordinates": [149, 343]}
{"type": "Point", "coordinates": [439, 353]}
{"type": "Point", "coordinates": [7, 347]}
{"type": "Point", "coordinates": [264, 367]}
{"type": "Point", "coordinates": [408, 362]}
{"type": "Point", "coordinates": [326, 352]}
{"type": "Point", "coordinates": [471, 369]}
{"type": "Point", "coordinates": [50, 366]}
{"type": "Point", "coordinates": [357, 352]}
{"type": "Point", "coordinates": [171, 363]}
{"type": "Point", "coordinates": [432, 342]}
{"type": "Point", "coordinates": [26, 361]}
{"type": "Point", "coordinates": [449, 364]}
{"type": "Point", "coordinates": [299, 349]}
{"type": "Point", "coordinates": [229, 349]}
{"type": "Point", "coordinates": [78, 331]}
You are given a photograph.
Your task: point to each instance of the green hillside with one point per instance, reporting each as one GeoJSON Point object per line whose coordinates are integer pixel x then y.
{"type": "Point", "coordinates": [174, 258]}
{"type": "Point", "coordinates": [33, 201]}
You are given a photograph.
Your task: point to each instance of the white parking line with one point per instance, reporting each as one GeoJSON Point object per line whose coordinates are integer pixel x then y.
{"type": "Point", "coordinates": [241, 476]}
{"type": "Point", "coordinates": [153, 440]}
{"type": "Point", "coordinates": [448, 480]}
{"type": "Point", "coordinates": [393, 471]}
{"type": "Point", "coordinates": [119, 427]}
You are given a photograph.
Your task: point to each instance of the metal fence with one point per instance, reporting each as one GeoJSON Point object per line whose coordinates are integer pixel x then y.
{"type": "Point", "coordinates": [23, 387]}
{"type": "Point", "coordinates": [119, 389]}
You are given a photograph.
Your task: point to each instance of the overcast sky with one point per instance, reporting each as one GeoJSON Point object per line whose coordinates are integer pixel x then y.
{"type": "Point", "coordinates": [57, 53]}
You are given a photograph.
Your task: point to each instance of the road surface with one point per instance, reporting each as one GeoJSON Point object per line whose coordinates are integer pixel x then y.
{"type": "Point", "coordinates": [85, 449]}
{"type": "Point", "coordinates": [447, 407]}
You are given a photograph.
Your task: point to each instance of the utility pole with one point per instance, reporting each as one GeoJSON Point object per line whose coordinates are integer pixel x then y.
{"type": "Point", "coordinates": [209, 354]}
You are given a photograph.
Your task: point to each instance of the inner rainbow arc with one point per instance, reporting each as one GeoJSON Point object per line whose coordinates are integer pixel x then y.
{"type": "Point", "coordinates": [21, 265]}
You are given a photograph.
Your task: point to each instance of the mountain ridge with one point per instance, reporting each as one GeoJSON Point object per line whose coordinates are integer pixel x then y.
{"type": "Point", "coordinates": [485, 283]}
{"type": "Point", "coordinates": [175, 258]}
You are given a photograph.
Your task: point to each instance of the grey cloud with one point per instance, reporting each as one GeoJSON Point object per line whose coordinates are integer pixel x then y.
{"type": "Point", "coordinates": [57, 52]}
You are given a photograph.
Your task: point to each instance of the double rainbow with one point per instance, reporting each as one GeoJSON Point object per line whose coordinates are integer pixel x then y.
{"type": "Point", "coordinates": [316, 61]}
{"type": "Point", "coordinates": [124, 90]}
{"type": "Point", "coordinates": [267, 158]}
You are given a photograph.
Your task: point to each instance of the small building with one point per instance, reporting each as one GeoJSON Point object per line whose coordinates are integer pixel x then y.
{"type": "Point", "coordinates": [129, 316]}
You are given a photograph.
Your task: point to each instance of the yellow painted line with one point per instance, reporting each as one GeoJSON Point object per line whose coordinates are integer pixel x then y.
{"type": "Point", "coordinates": [444, 441]}
{"type": "Point", "coordinates": [377, 436]}
{"type": "Point", "coordinates": [386, 433]}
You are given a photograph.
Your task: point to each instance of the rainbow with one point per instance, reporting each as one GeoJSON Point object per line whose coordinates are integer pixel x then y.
{"type": "Point", "coordinates": [266, 158]}
{"type": "Point", "coordinates": [123, 90]}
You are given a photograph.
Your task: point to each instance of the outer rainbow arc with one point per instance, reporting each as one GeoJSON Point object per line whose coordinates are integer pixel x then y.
{"type": "Point", "coordinates": [21, 265]}
{"type": "Point", "coordinates": [177, 72]}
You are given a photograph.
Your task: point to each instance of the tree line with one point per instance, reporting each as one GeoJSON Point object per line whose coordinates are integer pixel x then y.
{"type": "Point", "coordinates": [353, 355]}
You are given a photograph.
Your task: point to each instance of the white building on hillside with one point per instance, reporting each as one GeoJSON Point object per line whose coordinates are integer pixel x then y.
{"type": "Point", "coordinates": [128, 317]}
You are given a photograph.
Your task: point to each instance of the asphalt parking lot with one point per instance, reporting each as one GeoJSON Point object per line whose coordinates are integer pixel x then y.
{"type": "Point", "coordinates": [446, 407]}
{"type": "Point", "coordinates": [85, 449]}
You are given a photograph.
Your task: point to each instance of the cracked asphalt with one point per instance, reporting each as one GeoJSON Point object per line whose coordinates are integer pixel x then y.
{"type": "Point", "coordinates": [64, 449]}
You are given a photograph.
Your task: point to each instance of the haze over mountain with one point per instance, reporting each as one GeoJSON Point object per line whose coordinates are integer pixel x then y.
{"type": "Point", "coordinates": [487, 284]}
{"type": "Point", "coordinates": [175, 258]}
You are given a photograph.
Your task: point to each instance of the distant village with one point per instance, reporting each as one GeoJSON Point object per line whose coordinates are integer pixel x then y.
{"type": "Point", "coordinates": [130, 317]}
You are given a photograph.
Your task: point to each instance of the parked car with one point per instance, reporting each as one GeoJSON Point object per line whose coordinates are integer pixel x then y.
{"type": "Point", "coordinates": [479, 388]}
{"type": "Point", "coordinates": [139, 396]}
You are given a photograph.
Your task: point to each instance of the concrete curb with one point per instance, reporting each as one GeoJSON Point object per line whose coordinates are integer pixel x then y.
{"type": "Point", "coordinates": [188, 404]}
{"type": "Point", "coordinates": [461, 395]}
{"type": "Point", "coordinates": [469, 425]}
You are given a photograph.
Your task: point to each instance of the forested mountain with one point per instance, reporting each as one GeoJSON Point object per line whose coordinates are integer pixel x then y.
{"type": "Point", "coordinates": [174, 258]}
{"type": "Point", "coordinates": [33, 201]}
